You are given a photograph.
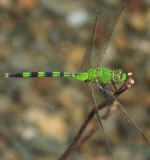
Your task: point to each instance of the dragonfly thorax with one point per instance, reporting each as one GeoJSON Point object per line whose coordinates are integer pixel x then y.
{"type": "Point", "coordinates": [104, 75]}
{"type": "Point", "coordinates": [100, 74]}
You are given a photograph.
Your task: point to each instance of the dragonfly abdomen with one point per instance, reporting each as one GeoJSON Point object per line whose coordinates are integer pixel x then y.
{"type": "Point", "coordinates": [39, 74]}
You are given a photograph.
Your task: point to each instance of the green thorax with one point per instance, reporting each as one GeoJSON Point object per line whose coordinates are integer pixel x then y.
{"type": "Point", "coordinates": [102, 75]}
{"type": "Point", "coordinates": [99, 74]}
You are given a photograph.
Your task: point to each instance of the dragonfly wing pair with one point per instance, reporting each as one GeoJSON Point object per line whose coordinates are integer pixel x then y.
{"type": "Point", "coordinates": [93, 58]}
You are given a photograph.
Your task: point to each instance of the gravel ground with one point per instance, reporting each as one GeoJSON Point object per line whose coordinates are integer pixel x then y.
{"type": "Point", "coordinates": [39, 117]}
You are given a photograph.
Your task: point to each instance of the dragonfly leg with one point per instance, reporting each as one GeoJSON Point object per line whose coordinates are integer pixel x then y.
{"type": "Point", "coordinates": [115, 87]}
{"type": "Point", "coordinates": [103, 88]}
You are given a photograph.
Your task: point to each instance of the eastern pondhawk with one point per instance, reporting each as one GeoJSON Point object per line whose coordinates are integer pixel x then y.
{"type": "Point", "coordinates": [92, 72]}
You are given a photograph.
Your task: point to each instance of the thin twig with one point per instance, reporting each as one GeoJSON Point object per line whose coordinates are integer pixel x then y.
{"type": "Point", "coordinates": [76, 144]}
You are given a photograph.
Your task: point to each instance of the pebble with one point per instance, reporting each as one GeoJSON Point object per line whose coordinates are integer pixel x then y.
{"type": "Point", "coordinates": [138, 22]}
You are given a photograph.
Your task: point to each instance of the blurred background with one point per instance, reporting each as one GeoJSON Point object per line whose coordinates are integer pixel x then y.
{"type": "Point", "coordinates": [39, 117]}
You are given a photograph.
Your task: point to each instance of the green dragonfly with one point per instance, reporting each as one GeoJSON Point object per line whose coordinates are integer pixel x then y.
{"type": "Point", "coordinates": [92, 72]}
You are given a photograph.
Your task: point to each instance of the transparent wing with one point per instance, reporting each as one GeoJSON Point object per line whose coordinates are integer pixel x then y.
{"type": "Point", "coordinates": [92, 95]}
{"type": "Point", "coordinates": [101, 50]}
{"type": "Point", "coordinates": [94, 57]}
{"type": "Point", "coordinates": [128, 120]}
{"type": "Point", "coordinates": [86, 64]}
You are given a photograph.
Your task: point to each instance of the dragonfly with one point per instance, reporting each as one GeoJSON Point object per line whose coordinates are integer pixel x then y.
{"type": "Point", "coordinates": [92, 72]}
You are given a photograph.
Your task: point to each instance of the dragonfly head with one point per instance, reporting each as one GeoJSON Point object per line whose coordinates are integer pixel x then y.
{"type": "Point", "coordinates": [118, 76]}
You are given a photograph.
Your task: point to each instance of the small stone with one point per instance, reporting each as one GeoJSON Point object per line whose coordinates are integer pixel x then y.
{"type": "Point", "coordinates": [5, 3]}
{"type": "Point", "coordinates": [77, 18]}
{"type": "Point", "coordinates": [75, 54]}
{"type": "Point", "coordinates": [27, 3]}
{"type": "Point", "coordinates": [138, 22]}
{"type": "Point", "coordinates": [48, 124]}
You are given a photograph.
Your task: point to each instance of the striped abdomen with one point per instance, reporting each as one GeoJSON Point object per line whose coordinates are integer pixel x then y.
{"type": "Point", "coordinates": [39, 74]}
{"type": "Point", "coordinates": [79, 76]}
